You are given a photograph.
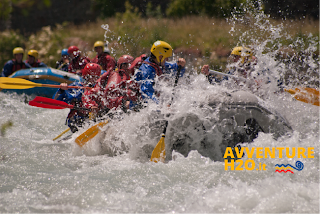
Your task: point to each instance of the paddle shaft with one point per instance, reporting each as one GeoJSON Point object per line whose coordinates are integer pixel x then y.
{"type": "Point", "coordinates": [79, 108]}
{"type": "Point", "coordinates": [63, 64]}
{"type": "Point", "coordinates": [176, 81]}
{"type": "Point", "coordinates": [307, 95]}
{"type": "Point", "coordinates": [158, 153]}
{"type": "Point", "coordinates": [175, 84]}
{"type": "Point", "coordinates": [65, 131]}
{"type": "Point", "coordinates": [49, 85]}
{"type": "Point", "coordinates": [228, 75]}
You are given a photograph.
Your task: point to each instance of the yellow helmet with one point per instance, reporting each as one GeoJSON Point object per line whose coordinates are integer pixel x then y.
{"type": "Point", "coordinates": [161, 48]}
{"type": "Point", "coordinates": [18, 50]}
{"type": "Point", "coordinates": [33, 53]}
{"type": "Point", "coordinates": [98, 44]}
{"type": "Point", "coordinates": [241, 51]}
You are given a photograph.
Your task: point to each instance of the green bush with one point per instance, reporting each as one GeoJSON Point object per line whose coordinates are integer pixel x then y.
{"type": "Point", "coordinates": [8, 41]}
{"type": "Point", "coordinates": [151, 12]}
{"type": "Point", "coordinates": [5, 10]}
{"type": "Point", "coordinates": [48, 43]}
{"type": "Point", "coordinates": [213, 8]}
{"type": "Point", "coordinates": [108, 8]}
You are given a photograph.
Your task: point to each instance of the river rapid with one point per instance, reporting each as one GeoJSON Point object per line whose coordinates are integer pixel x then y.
{"type": "Point", "coordinates": [40, 175]}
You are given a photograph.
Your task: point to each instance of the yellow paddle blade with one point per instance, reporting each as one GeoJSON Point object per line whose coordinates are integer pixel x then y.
{"type": "Point", "coordinates": [17, 83]}
{"type": "Point", "coordinates": [65, 131]}
{"type": "Point", "coordinates": [90, 133]}
{"type": "Point", "coordinates": [159, 152]}
{"type": "Point", "coordinates": [307, 95]}
{"type": "Point", "coordinates": [291, 91]}
{"type": "Point", "coordinates": [311, 90]}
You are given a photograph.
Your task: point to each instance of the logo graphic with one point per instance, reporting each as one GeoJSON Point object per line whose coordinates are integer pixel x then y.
{"type": "Point", "coordinates": [289, 168]}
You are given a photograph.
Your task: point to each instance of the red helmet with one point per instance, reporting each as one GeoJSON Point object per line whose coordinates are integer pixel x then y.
{"type": "Point", "coordinates": [124, 59]}
{"type": "Point", "coordinates": [91, 70]}
{"type": "Point", "coordinates": [73, 50]}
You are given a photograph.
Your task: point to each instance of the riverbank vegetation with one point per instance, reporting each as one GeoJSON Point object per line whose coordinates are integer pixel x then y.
{"type": "Point", "coordinates": [200, 39]}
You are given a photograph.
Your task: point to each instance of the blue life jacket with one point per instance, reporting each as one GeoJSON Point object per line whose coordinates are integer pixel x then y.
{"type": "Point", "coordinates": [148, 72]}
{"type": "Point", "coordinates": [11, 66]}
{"type": "Point", "coordinates": [72, 96]}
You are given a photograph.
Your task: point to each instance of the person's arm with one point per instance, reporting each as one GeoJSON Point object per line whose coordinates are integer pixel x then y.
{"type": "Point", "coordinates": [91, 98]}
{"type": "Point", "coordinates": [67, 95]}
{"type": "Point", "coordinates": [41, 64]}
{"type": "Point", "coordinates": [132, 90]}
{"type": "Point", "coordinates": [173, 67]}
{"type": "Point", "coordinates": [94, 59]}
{"type": "Point", "coordinates": [86, 61]}
{"type": "Point", "coordinates": [70, 68]}
{"type": "Point", "coordinates": [103, 80]}
{"type": "Point", "coordinates": [6, 71]}
{"type": "Point", "coordinates": [110, 63]}
{"type": "Point", "coordinates": [26, 63]}
{"type": "Point", "coordinates": [212, 78]}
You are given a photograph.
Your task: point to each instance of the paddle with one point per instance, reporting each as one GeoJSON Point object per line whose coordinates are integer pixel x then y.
{"type": "Point", "coordinates": [18, 83]}
{"type": "Point", "coordinates": [65, 131]}
{"type": "Point", "coordinates": [63, 64]}
{"type": "Point", "coordinates": [159, 152]}
{"type": "Point", "coordinates": [45, 102]}
{"type": "Point", "coordinates": [228, 75]}
{"type": "Point", "coordinates": [307, 95]}
{"type": "Point", "coordinates": [90, 133]}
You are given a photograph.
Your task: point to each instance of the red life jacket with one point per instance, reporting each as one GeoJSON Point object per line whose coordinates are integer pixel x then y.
{"type": "Point", "coordinates": [104, 78]}
{"type": "Point", "coordinates": [156, 67]}
{"type": "Point", "coordinates": [137, 63]}
{"type": "Point", "coordinates": [35, 64]}
{"type": "Point", "coordinates": [107, 62]}
{"type": "Point", "coordinates": [141, 59]}
{"type": "Point", "coordinates": [120, 89]}
{"type": "Point", "coordinates": [102, 81]}
{"type": "Point", "coordinates": [78, 63]}
{"type": "Point", "coordinates": [108, 92]}
{"type": "Point", "coordinates": [116, 77]}
{"type": "Point", "coordinates": [93, 97]}
{"type": "Point", "coordinates": [17, 66]}
{"type": "Point", "coordinates": [114, 93]}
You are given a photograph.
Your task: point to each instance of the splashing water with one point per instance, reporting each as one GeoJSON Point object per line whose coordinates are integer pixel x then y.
{"type": "Point", "coordinates": [39, 175]}
{"type": "Point", "coordinates": [106, 28]}
{"type": "Point", "coordinates": [295, 63]}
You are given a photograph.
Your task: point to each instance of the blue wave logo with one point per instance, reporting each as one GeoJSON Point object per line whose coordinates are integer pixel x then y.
{"type": "Point", "coordinates": [288, 167]}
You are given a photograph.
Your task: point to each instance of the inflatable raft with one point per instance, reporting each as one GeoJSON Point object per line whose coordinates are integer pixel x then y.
{"type": "Point", "coordinates": [237, 117]}
{"type": "Point", "coordinates": [218, 121]}
{"type": "Point", "coordinates": [43, 76]}
{"type": "Point", "coordinates": [222, 120]}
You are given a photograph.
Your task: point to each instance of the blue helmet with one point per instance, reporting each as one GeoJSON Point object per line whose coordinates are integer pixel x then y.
{"type": "Point", "coordinates": [64, 52]}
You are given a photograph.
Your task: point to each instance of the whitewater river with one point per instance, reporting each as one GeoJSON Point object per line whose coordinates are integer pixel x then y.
{"type": "Point", "coordinates": [38, 175]}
